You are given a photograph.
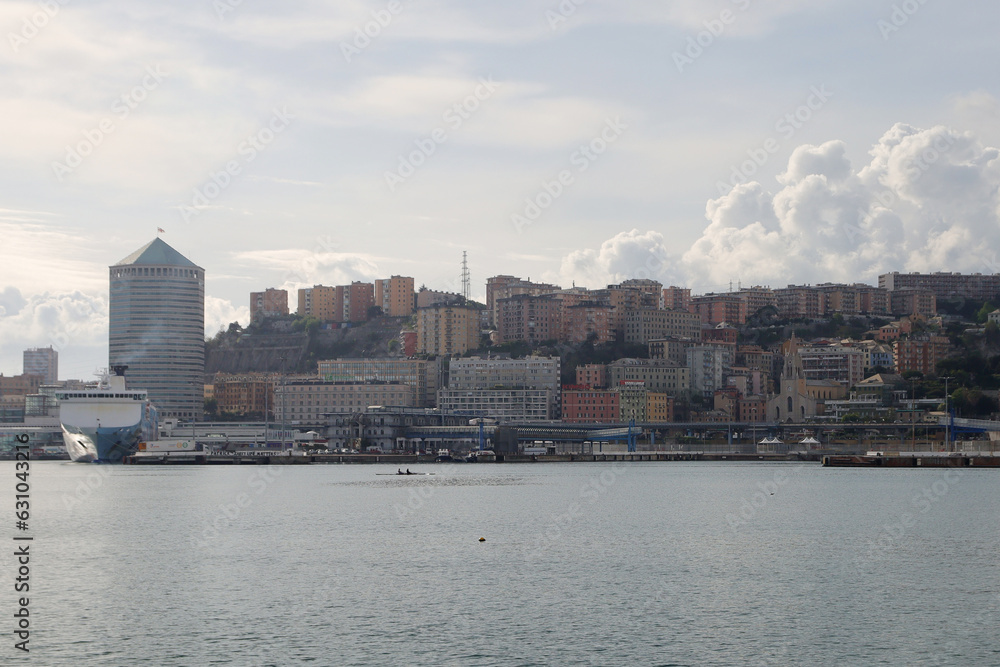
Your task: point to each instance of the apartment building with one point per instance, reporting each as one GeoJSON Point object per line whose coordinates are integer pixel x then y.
{"type": "Point", "coordinates": [424, 375]}
{"type": "Point", "coordinates": [447, 330]}
{"type": "Point", "coordinates": [718, 308]}
{"type": "Point", "coordinates": [311, 401]}
{"type": "Point", "coordinates": [269, 303]}
{"type": "Point", "coordinates": [642, 325]}
{"type": "Point", "coordinates": [582, 405]}
{"type": "Point", "coordinates": [976, 286]}
{"type": "Point", "coordinates": [395, 296]}
{"type": "Point", "coordinates": [656, 374]}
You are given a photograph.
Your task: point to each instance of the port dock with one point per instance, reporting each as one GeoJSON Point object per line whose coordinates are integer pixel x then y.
{"type": "Point", "coordinates": [912, 460]}
{"type": "Point", "coordinates": [283, 458]}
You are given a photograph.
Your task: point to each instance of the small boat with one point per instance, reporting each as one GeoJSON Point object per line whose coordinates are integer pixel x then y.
{"type": "Point", "coordinates": [443, 455]}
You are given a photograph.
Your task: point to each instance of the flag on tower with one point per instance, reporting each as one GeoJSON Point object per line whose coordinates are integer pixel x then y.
{"type": "Point", "coordinates": [159, 230]}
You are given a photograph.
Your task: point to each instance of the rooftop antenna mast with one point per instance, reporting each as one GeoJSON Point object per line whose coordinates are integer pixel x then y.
{"type": "Point", "coordinates": [466, 284]}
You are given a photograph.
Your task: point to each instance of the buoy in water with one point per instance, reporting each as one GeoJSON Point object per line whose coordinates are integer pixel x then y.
{"type": "Point", "coordinates": [482, 539]}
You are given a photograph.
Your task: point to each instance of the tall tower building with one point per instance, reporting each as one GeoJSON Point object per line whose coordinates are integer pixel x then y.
{"type": "Point", "coordinates": [157, 327]}
{"type": "Point", "coordinates": [42, 361]}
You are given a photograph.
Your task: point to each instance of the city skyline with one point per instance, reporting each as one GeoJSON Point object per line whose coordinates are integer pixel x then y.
{"type": "Point", "coordinates": [573, 142]}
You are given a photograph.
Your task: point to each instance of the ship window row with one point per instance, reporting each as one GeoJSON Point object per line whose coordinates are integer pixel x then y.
{"type": "Point", "coordinates": [135, 397]}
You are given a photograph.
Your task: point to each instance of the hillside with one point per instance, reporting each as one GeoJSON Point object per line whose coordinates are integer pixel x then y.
{"type": "Point", "coordinates": [293, 345]}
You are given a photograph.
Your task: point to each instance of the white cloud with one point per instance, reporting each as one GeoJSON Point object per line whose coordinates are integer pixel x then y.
{"type": "Point", "coordinates": [321, 266]}
{"type": "Point", "coordinates": [59, 256]}
{"type": "Point", "coordinates": [626, 255]}
{"type": "Point", "coordinates": [74, 323]}
{"type": "Point", "coordinates": [927, 201]}
{"type": "Point", "coordinates": [220, 313]}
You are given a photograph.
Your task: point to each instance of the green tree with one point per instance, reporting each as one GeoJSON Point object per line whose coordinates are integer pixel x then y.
{"type": "Point", "coordinates": [983, 313]}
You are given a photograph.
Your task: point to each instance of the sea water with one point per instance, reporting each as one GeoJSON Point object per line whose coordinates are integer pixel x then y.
{"type": "Point", "coordinates": [582, 564]}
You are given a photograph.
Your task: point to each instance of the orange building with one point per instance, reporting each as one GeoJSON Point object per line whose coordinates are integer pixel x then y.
{"type": "Point", "coordinates": [889, 332]}
{"type": "Point", "coordinates": [587, 321]}
{"type": "Point", "coordinates": [318, 301]}
{"type": "Point", "coordinates": [592, 375]}
{"type": "Point", "coordinates": [529, 318]}
{"type": "Point", "coordinates": [718, 308]}
{"type": "Point", "coordinates": [409, 343]}
{"type": "Point", "coordinates": [918, 302]}
{"type": "Point", "coordinates": [269, 303]}
{"type": "Point", "coordinates": [919, 355]}
{"type": "Point", "coordinates": [447, 330]}
{"type": "Point", "coordinates": [724, 335]}
{"type": "Point", "coordinates": [752, 409]}
{"type": "Point", "coordinates": [353, 301]}
{"type": "Point", "coordinates": [757, 297]}
{"type": "Point", "coordinates": [659, 407]}
{"type": "Point", "coordinates": [504, 287]}
{"type": "Point", "coordinates": [676, 298]}
{"type": "Point", "coordinates": [395, 296]}
{"type": "Point", "coordinates": [246, 394]}
{"type": "Point", "coordinates": [581, 405]}
{"type": "Point", "coordinates": [344, 303]}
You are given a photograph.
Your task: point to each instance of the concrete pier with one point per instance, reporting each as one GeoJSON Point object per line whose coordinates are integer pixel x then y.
{"type": "Point", "coordinates": [914, 460]}
{"type": "Point", "coordinates": [277, 458]}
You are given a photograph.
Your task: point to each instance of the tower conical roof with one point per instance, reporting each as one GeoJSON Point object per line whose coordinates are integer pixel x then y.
{"type": "Point", "coordinates": [156, 252]}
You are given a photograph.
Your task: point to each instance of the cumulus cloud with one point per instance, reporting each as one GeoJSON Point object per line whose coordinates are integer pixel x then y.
{"type": "Point", "coordinates": [926, 201]}
{"type": "Point", "coordinates": [626, 255]}
{"type": "Point", "coordinates": [220, 313]}
{"type": "Point", "coordinates": [321, 266]}
{"type": "Point", "coordinates": [74, 323]}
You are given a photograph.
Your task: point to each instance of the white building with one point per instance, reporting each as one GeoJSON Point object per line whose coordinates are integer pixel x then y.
{"type": "Point", "coordinates": [709, 365]}
{"type": "Point", "coordinates": [508, 389]}
{"type": "Point", "coordinates": [842, 364]}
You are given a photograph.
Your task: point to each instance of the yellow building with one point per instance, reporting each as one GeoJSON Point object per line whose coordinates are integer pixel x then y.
{"type": "Point", "coordinates": [447, 330]}
{"type": "Point", "coordinates": [659, 407]}
{"type": "Point", "coordinates": [395, 296]}
{"type": "Point", "coordinates": [319, 301]}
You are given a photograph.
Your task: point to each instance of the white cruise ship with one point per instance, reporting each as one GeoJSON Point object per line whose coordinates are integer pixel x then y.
{"type": "Point", "coordinates": [105, 421]}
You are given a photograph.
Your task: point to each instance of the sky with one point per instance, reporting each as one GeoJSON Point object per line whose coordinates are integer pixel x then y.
{"type": "Point", "coordinates": [702, 143]}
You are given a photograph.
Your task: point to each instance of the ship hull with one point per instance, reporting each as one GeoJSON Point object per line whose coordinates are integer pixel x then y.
{"type": "Point", "coordinates": [103, 444]}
